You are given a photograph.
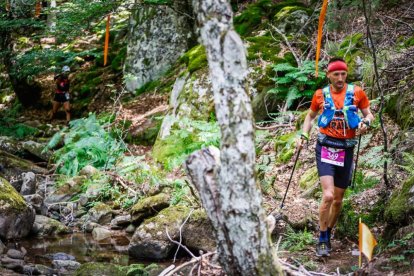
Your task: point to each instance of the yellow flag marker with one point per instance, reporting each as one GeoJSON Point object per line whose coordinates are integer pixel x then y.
{"type": "Point", "coordinates": [106, 40]}
{"type": "Point", "coordinates": [320, 32]}
{"type": "Point", "coordinates": [367, 242]}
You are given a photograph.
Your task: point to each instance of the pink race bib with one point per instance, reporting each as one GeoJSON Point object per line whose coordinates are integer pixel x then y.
{"type": "Point", "coordinates": [333, 156]}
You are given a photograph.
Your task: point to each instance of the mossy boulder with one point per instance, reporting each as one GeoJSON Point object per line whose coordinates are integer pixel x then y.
{"type": "Point", "coordinates": [400, 208]}
{"type": "Point", "coordinates": [150, 239]}
{"type": "Point", "coordinates": [16, 217]}
{"type": "Point", "coordinates": [14, 166]}
{"type": "Point", "coordinates": [195, 58]}
{"type": "Point", "coordinates": [44, 226]}
{"type": "Point", "coordinates": [401, 108]}
{"type": "Point", "coordinates": [292, 19]}
{"type": "Point", "coordinates": [198, 232]}
{"type": "Point", "coordinates": [100, 213]}
{"type": "Point", "coordinates": [149, 206]}
{"type": "Point", "coordinates": [67, 190]}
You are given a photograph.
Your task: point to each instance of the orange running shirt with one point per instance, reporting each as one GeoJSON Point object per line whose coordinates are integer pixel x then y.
{"type": "Point", "coordinates": [336, 127]}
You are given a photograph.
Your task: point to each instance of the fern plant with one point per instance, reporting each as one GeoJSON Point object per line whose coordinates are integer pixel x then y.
{"type": "Point", "coordinates": [85, 143]}
{"type": "Point", "coordinates": [186, 137]}
{"type": "Point", "coordinates": [293, 82]}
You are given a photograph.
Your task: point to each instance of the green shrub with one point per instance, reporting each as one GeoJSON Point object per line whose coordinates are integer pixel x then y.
{"type": "Point", "coordinates": [296, 241]}
{"type": "Point", "coordinates": [85, 143]}
{"type": "Point", "coordinates": [185, 138]}
{"type": "Point", "coordinates": [293, 82]}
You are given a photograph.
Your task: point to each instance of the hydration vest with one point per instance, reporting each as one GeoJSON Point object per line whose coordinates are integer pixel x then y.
{"type": "Point", "coordinates": [349, 111]}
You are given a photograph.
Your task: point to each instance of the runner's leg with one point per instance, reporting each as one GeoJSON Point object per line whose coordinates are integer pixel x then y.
{"type": "Point", "coordinates": [336, 206]}
{"type": "Point", "coordinates": [66, 106]}
{"type": "Point", "coordinates": [55, 108]}
{"type": "Point", "coordinates": [327, 182]}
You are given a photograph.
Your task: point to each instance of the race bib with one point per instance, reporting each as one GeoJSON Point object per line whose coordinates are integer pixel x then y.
{"type": "Point", "coordinates": [333, 156]}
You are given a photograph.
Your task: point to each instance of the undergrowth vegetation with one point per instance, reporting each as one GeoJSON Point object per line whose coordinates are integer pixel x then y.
{"type": "Point", "coordinates": [86, 142]}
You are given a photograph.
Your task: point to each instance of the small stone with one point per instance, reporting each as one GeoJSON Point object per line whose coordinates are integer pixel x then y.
{"type": "Point", "coordinates": [15, 254]}
{"type": "Point", "coordinates": [100, 233]}
{"type": "Point", "coordinates": [130, 229]}
{"type": "Point", "coordinates": [60, 257]}
{"type": "Point", "coordinates": [69, 265]}
{"type": "Point", "coordinates": [89, 226]}
{"type": "Point", "coordinates": [121, 220]}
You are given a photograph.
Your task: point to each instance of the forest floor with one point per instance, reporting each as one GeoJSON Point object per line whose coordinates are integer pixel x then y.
{"type": "Point", "coordinates": [343, 258]}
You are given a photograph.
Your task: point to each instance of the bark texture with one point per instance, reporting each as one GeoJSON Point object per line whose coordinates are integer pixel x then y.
{"type": "Point", "coordinates": [228, 189]}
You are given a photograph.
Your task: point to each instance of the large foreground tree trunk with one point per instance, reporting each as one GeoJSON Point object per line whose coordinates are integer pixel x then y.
{"type": "Point", "coordinates": [227, 186]}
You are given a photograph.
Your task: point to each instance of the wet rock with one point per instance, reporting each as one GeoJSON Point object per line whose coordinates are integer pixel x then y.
{"type": "Point", "coordinates": [100, 213]}
{"type": "Point", "coordinates": [100, 233]}
{"type": "Point", "coordinates": [36, 201]}
{"type": "Point", "coordinates": [88, 171]}
{"type": "Point", "coordinates": [29, 184]}
{"type": "Point", "coordinates": [10, 145]}
{"type": "Point", "coordinates": [121, 221]}
{"type": "Point", "coordinates": [130, 229]}
{"type": "Point", "coordinates": [65, 264]}
{"type": "Point", "coordinates": [13, 166]}
{"type": "Point", "coordinates": [44, 226]}
{"type": "Point", "coordinates": [15, 254]}
{"type": "Point", "coordinates": [45, 270]}
{"type": "Point", "coordinates": [89, 226]}
{"type": "Point", "coordinates": [13, 264]}
{"type": "Point", "coordinates": [31, 270]}
{"type": "Point", "coordinates": [65, 192]}
{"type": "Point", "coordinates": [150, 239]}
{"type": "Point", "coordinates": [60, 256]}
{"type": "Point", "coordinates": [149, 206]}
{"type": "Point", "coordinates": [16, 216]}
{"type": "Point", "coordinates": [198, 233]}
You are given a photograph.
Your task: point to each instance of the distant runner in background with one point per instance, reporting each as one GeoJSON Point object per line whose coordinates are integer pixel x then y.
{"type": "Point", "coordinates": [339, 103]}
{"type": "Point", "coordinates": [62, 93]}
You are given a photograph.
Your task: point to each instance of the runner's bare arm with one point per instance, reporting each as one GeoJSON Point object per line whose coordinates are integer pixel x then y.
{"type": "Point", "coordinates": [309, 119]}
{"type": "Point", "coordinates": [368, 118]}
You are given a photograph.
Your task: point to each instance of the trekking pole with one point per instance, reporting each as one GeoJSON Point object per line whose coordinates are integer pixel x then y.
{"type": "Point", "coordinates": [290, 179]}
{"type": "Point", "coordinates": [356, 163]}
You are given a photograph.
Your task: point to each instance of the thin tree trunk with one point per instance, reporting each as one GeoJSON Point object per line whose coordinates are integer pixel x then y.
{"type": "Point", "coordinates": [51, 17]}
{"type": "Point", "coordinates": [228, 189]}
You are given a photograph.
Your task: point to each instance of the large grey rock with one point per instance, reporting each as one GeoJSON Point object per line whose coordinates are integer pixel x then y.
{"type": "Point", "coordinates": [100, 213]}
{"type": "Point", "coordinates": [198, 232]}
{"type": "Point", "coordinates": [15, 254]}
{"type": "Point", "coordinates": [100, 233]}
{"type": "Point", "coordinates": [65, 264]}
{"type": "Point", "coordinates": [13, 166]}
{"type": "Point", "coordinates": [121, 221]}
{"type": "Point", "coordinates": [29, 183]}
{"type": "Point", "coordinates": [36, 201]}
{"type": "Point", "coordinates": [44, 226]}
{"type": "Point", "coordinates": [16, 216]}
{"type": "Point", "coordinates": [37, 149]}
{"type": "Point", "coordinates": [159, 35]}
{"type": "Point", "coordinates": [150, 239]}
{"type": "Point", "coordinates": [66, 191]}
{"type": "Point", "coordinates": [149, 206]}
{"type": "Point", "coordinates": [9, 145]}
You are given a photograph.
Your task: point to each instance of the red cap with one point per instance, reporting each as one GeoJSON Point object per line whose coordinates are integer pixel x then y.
{"type": "Point", "coordinates": [337, 66]}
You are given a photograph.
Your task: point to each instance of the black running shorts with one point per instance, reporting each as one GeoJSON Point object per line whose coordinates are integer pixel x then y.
{"type": "Point", "coordinates": [342, 175]}
{"type": "Point", "coordinates": [60, 98]}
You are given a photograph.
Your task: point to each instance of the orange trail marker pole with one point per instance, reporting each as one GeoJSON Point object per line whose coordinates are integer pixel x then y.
{"type": "Point", "coordinates": [38, 8]}
{"type": "Point", "coordinates": [320, 33]}
{"type": "Point", "coordinates": [106, 40]}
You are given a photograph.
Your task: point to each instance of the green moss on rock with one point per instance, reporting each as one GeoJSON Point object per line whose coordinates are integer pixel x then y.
{"type": "Point", "coordinates": [264, 47]}
{"type": "Point", "coordinates": [399, 208]}
{"type": "Point", "coordinates": [10, 199]}
{"type": "Point", "coordinates": [149, 206]}
{"type": "Point", "coordinates": [195, 58]}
